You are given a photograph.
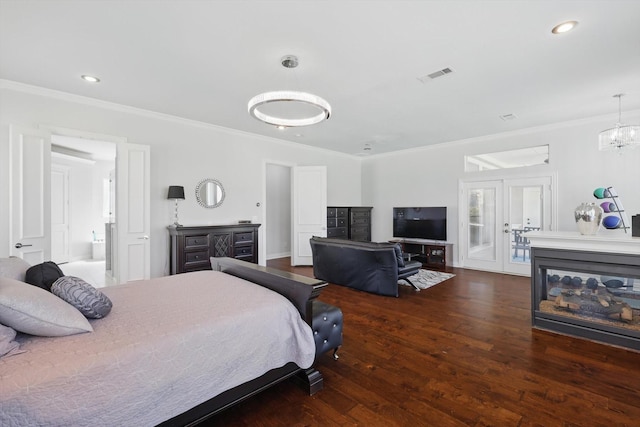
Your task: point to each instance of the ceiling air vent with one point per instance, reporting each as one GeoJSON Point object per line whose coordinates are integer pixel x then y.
{"type": "Point", "coordinates": [435, 74]}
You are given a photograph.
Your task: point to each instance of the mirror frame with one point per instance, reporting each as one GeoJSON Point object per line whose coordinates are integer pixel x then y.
{"type": "Point", "coordinates": [203, 202]}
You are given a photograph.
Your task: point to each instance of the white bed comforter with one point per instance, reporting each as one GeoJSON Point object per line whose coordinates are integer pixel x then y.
{"type": "Point", "coordinates": [168, 344]}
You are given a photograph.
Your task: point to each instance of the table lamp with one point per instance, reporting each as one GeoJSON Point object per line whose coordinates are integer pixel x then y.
{"type": "Point", "coordinates": [176, 192]}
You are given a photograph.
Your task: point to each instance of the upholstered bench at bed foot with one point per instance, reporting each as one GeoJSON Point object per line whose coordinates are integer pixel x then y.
{"type": "Point", "coordinates": [327, 328]}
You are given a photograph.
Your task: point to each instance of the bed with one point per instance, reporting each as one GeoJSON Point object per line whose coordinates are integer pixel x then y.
{"type": "Point", "coordinates": [173, 351]}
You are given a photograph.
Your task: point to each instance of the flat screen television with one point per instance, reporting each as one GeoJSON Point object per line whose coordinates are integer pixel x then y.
{"type": "Point", "coordinates": [420, 223]}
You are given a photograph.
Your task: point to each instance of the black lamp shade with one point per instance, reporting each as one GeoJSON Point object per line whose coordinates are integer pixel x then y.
{"type": "Point", "coordinates": [175, 192]}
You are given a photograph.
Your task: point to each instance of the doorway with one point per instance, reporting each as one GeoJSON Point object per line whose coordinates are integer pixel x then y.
{"type": "Point", "coordinates": [495, 217]}
{"type": "Point", "coordinates": [295, 209]}
{"type": "Point", "coordinates": [278, 211]}
{"type": "Point", "coordinates": [82, 195]}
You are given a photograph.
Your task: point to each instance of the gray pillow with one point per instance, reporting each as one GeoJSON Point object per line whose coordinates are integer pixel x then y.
{"type": "Point", "coordinates": [13, 268]}
{"type": "Point", "coordinates": [32, 310]}
{"type": "Point", "coordinates": [80, 294]}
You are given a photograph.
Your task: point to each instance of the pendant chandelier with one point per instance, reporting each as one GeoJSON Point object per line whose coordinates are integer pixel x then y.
{"type": "Point", "coordinates": [302, 108]}
{"type": "Point", "coordinates": [621, 135]}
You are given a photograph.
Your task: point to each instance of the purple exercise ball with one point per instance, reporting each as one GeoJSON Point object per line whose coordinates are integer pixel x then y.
{"type": "Point", "coordinates": [608, 207]}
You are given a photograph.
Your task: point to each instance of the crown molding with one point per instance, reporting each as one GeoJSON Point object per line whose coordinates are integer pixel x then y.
{"type": "Point", "coordinates": [84, 100]}
{"type": "Point", "coordinates": [612, 117]}
{"type": "Point", "coordinates": [65, 96]}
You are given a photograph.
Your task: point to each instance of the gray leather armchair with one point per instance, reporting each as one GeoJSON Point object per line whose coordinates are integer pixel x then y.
{"type": "Point", "coordinates": [367, 266]}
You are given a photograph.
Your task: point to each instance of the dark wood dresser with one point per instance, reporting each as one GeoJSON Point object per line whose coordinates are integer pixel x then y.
{"type": "Point", "coordinates": [353, 223]}
{"type": "Point", "coordinates": [191, 247]}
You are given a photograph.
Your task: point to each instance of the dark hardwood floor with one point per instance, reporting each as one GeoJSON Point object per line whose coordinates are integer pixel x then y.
{"type": "Point", "coordinates": [462, 353]}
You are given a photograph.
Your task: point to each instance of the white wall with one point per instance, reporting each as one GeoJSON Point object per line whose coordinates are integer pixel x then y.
{"type": "Point", "coordinates": [182, 153]}
{"type": "Point", "coordinates": [430, 176]}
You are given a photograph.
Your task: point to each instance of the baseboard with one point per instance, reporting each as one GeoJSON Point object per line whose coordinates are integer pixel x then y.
{"type": "Point", "coordinates": [280, 255]}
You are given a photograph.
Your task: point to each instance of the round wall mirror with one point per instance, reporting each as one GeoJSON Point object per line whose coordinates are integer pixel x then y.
{"type": "Point", "coordinates": [210, 193]}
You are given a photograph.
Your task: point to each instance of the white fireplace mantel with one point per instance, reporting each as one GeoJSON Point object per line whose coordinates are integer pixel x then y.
{"type": "Point", "coordinates": [619, 244]}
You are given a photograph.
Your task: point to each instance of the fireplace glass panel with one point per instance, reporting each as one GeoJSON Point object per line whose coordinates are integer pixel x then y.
{"type": "Point", "coordinates": [587, 294]}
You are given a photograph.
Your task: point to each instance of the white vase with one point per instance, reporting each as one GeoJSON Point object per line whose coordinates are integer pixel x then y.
{"type": "Point", "coordinates": [588, 217]}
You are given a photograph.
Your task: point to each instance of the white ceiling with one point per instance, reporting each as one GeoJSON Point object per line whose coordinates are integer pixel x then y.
{"type": "Point", "coordinates": [203, 60]}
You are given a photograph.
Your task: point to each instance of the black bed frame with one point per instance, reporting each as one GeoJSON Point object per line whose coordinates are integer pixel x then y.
{"type": "Point", "coordinates": [301, 291]}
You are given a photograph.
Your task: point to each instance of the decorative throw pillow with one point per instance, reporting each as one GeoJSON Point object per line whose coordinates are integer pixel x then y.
{"type": "Point", "coordinates": [13, 268]}
{"type": "Point", "coordinates": [399, 255]}
{"type": "Point", "coordinates": [34, 311]}
{"type": "Point", "coordinates": [8, 346]}
{"type": "Point", "coordinates": [43, 275]}
{"type": "Point", "coordinates": [80, 294]}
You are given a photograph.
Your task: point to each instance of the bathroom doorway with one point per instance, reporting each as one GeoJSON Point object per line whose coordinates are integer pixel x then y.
{"type": "Point", "coordinates": [82, 207]}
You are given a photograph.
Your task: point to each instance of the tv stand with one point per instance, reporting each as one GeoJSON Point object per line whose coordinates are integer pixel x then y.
{"type": "Point", "coordinates": [431, 253]}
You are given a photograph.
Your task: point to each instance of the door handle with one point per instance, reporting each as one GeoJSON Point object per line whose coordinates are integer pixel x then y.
{"type": "Point", "coordinates": [144, 238]}
{"type": "Point", "coordinates": [20, 245]}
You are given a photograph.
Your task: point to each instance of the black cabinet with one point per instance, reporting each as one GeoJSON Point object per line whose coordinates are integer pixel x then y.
{"type": "Point", "coordinates": [353, 223]}
{"type": "Point", "coordinates": [438, 255]}
{"type": "Point", "coordinates": [338, 222]}
{"type": "Point", "coordinates": [191, 247]}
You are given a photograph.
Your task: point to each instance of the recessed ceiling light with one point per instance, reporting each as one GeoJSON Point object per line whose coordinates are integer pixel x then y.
{"type": "Point", "coordinates": [90, 79]}
{"type": "Point", "coordinates": [564, 27]}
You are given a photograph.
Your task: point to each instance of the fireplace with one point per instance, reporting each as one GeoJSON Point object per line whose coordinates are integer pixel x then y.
{"type": "Point", "coordinates": [587, 286]}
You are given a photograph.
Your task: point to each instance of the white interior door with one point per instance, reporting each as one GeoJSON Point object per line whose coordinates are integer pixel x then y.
{"type": "Point", "coordinates": [59, 214]}
{"type": "Point", "coordinates": [30, 198]}
{"type": "Point", "coordinates": [309, 210]}
{"type": "Point", "coordinates": [495, 217]}
{"type": "Point", "coordinates": [133, 196]}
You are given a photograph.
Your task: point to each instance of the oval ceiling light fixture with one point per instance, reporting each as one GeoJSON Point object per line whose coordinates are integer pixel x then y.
{"type": "Point", "coordinates": [292, 108]}
{"type": "Point", "coordinates": [90, 79]}
{"type": "Point", "coordinates": [564, 27]}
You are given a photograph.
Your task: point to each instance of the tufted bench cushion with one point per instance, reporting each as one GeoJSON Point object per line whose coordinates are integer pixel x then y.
{"type": "Point", "coordinates": [327, 327]}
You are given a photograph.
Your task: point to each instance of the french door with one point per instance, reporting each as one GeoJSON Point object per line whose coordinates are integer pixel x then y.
{"type": "Point", "coordinates": [495, 217]}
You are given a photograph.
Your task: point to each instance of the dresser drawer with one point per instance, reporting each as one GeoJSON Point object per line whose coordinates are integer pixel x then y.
{"type": "Point", "coordinates": [332, 222]}
{"type": "Point", "coordinates": [243, 251]}
{"type": "Point", "coordinates": [360, 214]}
{"type": "Point", "coordinates": [197, 266]}
{"type": "Point", "coordinates": [342, 212]}
{"type": "Point", "coordinates": [331, 212]}
{"type": "Point", "coordinates": [199, 256]}
{"type": "Point", "coordinates": [341, 222]}
{"type": "Point", "coordinates": [195, 241]}
{"type": "Point", "coordinates": [243, 237]}
{"type": "Point", "coordinates": [360, 230]}
{"type": "Point", "coordinates": [361, 238]}
{"type": "Point", "coordinates": [337, 232]}
{"type": "Point", "coordinates": [360, 221]}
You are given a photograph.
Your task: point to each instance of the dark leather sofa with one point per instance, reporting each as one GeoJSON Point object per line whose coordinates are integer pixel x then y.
{"type": "Point", "coordinates": [367, 266]}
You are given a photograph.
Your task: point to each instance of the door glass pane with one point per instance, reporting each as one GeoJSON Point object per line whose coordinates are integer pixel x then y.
{"type": "Point", "coordinates": [482, 219]}
{"type": "Point", "coordinates": [525, 214]}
